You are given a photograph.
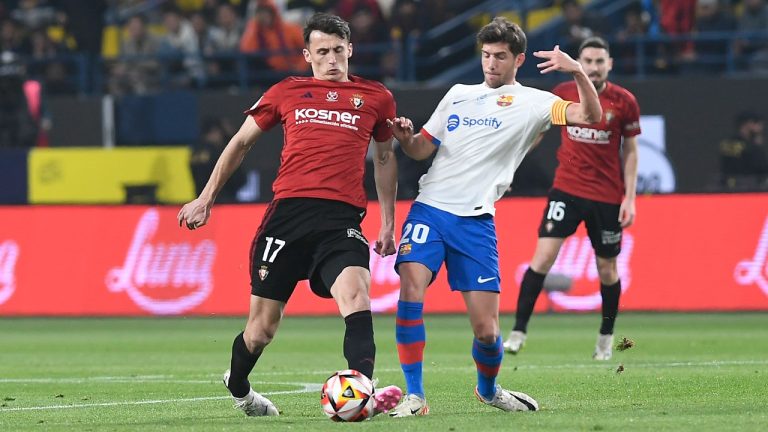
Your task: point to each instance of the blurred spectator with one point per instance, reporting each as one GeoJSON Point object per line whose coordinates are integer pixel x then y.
{"type": "Point", "coordinates": [369, 31]}
{"type": "Point", "coordinates": [12, 37]}
{"type": "Point", "coordinates": [754, 18]}
{"type": "Point", "coordinates": [712, 17]}
{"type": "Point", "coordinates": [34, 14]}
{"type": "Point", "coordinates": [448, 43]}
{"type": "Point", "coordinates": [298, 11]}
{"type": "Point", "coordinates": [17, 127]}
{"type": "Point", "coordinates": [280, 42]}
{"type": "Point", "coordinates": [180, 47]}
{"type": "Point", "coordinates": [405, 20]}
{"type": "Point", "coordinates": [224, 40]}
{"type": "Point", "coordinates": [225, 34]}
{"type": "Point", "coordinates": [347, 8]}
{"type": "Point", "coordinates": [744, 156]}
{"type": "Point", "coordinates": [137, 69]}
{"type": "Point", "coordinates": [45, 65]}
{"type": "Point", "coordinates": [577, 26]}
{"type": "Point", "coordinates": [85, 24]}
{"type": "Point", "coordinates": [624, 50]}
{"type": "Point", "coordinates": [214, 138]}
{"type": "Point", "coordinates": [676, 18]}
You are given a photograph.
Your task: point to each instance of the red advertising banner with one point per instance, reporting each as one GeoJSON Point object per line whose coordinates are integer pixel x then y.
{"type": "Point", "coordinates": [685, 253]}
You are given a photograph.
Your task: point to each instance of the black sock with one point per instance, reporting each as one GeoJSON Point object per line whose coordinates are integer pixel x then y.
{"type": "Point", "coordinates": [359, 348]}
{"type": "Point", "coordinates": [611, 294]}
{"type": "Point", "coordinates": [530, 288]}
{"type": "Point", "coordinates": [241, 365]}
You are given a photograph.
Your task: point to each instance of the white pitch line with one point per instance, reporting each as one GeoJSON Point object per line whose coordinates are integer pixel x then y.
{"type": "Point", "coordinates": [428, 368]}
{"type": "Point", "coordinates": [306, 388]}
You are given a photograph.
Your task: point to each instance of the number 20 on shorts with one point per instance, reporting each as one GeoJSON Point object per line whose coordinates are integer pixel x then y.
{"type": "Point", "coordinates": [420, 233]}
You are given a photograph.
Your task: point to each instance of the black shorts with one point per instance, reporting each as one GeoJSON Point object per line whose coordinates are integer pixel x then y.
{"type": "Point", "coordinates": [306, 238]}
{"type": "Point", "coordinates": [564, 212]}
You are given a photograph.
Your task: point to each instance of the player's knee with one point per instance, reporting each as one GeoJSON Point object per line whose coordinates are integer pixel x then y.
{"type": "Point", "coordinates": [486, 333]}
{"type": "Point", "coordinates": [607, 270]}
{"type": "Point", "coordinates": [412, 285]}
{"type": "Point", "coordinates": [257, 338]}
{"type": "Point", "coordinates": [542, 263]}
{"type": "Point", "coordinates": [352, 298]}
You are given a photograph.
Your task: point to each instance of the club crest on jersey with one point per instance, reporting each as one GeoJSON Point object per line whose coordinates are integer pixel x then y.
{"type": "Point", "coordinates": [609, 115]}
{"type": "Point", "coordinates": [549, 227]}
{"type": "Point", "coordinates": [504, 100]}
{"type": "Point", "coordinates": [263, 272]}
{"type": "Point", "coordinates": [357, 100]}
{"type": "Point", "coordinates": [332, 96]}
{"type": "Point", "coordinates": [405, 249]}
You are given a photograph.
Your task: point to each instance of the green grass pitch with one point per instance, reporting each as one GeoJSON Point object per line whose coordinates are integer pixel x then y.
{"type": "Point", "coordinates": [697, 372]}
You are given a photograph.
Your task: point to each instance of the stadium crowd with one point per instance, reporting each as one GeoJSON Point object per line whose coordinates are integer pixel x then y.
{"type": "Point", "coordinates": [142, 47]}
{"type": "Point", "coordinates": [139, 46]}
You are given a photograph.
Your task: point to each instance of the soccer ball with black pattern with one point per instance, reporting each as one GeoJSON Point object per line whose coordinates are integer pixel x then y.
{"type": "Point", "coordinates": [347, 396]}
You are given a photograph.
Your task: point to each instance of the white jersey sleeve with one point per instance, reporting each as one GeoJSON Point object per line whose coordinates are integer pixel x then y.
{"type": "Point", "coordinates": [482, 135]}
{"type": "Point", "coordinates": [434, 127]}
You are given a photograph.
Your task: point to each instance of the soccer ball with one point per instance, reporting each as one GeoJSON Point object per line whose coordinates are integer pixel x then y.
{"type": "Point", "coordinates": [347, 396]}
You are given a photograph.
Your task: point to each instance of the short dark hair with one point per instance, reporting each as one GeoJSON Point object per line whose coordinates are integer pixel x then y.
{"type": "Point", "coordinates": [594, 42]}
{"type": "Point", "coordinates": [501, 29]}
{"type": "Point", "coordinates": [328, 24]}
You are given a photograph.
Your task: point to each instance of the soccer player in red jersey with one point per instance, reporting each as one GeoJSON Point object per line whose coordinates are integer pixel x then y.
{"type": "Point", "coordinates": [595, 182]}
{"type": "Point", "coordinates": [311, 230]}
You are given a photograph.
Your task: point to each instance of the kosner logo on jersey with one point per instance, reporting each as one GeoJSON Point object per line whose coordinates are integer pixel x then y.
{"type": "Point", "coordinates": [164, 278]}
{"type": "Point", "coordinates": [755, 270]}
{"type": "Point", "coordinates": [327, 117]}
{"type": "Point", "coordinates": [9, 254]}
{"type": "Point", "coordinates": [576, 262]}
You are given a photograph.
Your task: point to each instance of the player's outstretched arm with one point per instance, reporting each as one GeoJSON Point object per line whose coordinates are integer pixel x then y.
{"type": "Point", "coordinates": [415, 146]}
{"type": "Point", "coordinates": [588, 109]}
{"type": "Point", "coordinates": [385, 175]}
{"type": "Point", "coordinates": [627, 210]}
{"type": "Point", "coordinates": [196, 213]}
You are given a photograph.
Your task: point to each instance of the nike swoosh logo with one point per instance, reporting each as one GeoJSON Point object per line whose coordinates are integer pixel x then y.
{"type": "Point", "coordinates": [459, 101]}
{"type": "Point", "coordinates": [484, 280]}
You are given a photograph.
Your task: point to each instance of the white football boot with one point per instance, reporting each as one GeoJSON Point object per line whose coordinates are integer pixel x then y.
{"type": "Point", "coordinates": [253, 404]}
{"type": "Point", "coordinates": [411, 405]}
{"type": "Point", "coordinates": [603, 347]}
{"type": "Point", "coordinates": [514, 342]}
{"type": "Point", "coordinates": [506, 400]}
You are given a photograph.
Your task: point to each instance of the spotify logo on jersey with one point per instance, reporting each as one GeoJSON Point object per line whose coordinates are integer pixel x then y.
{"type": "Point", "coordinates": [453, 122]}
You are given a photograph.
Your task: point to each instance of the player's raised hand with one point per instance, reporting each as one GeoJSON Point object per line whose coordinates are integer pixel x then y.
{"type": "Point", "coordinates": [402, 128]}
{"type": "Point", "coordinates": [385, 245]}
{"type": "Point", "coordinates": [194, 214]}
{"type": "Point", "coordinates": [556, 60]}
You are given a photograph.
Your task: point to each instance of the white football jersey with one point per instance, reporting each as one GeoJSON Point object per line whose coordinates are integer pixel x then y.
{"type": "Point", "coordinates": [482, 135]}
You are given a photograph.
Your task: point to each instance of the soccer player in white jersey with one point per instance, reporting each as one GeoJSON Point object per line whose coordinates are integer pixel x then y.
{"type": "Point", "coordinates": [481, 134]}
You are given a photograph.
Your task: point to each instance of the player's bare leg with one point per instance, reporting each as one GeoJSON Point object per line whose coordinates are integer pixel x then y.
{"type": "Point", "coordinates": [350, 290]}
{"type": "Point", "coordinates": [544, 257]}
{"type": "Point", "coordinates": [263, 320]}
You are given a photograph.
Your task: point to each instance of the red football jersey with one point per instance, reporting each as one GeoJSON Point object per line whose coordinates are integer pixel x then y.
{"type": "Point", "coordinates": [327, 126]}
{"type": "Point", "coordinates": [590, 164]}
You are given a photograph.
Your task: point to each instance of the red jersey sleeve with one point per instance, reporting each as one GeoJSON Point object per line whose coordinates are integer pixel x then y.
{"type": "Point", "coordinates": [381, 131]}
{"type": "Point", "coordinates": [266, 110]}
{"type": "Point", "coordinates": [632, 116]}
